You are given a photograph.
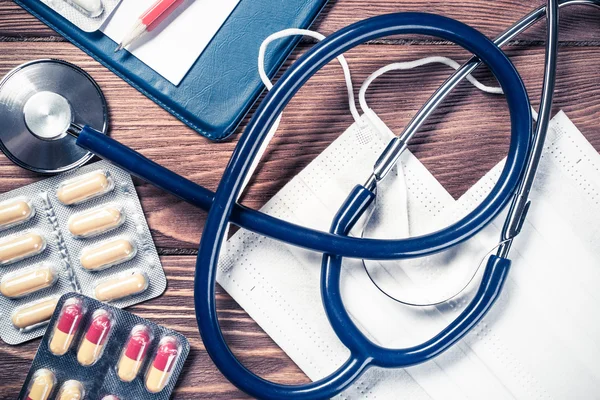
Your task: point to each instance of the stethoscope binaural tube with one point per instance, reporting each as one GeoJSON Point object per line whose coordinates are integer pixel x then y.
{"type": "Point", "coordinates": [363, 354]}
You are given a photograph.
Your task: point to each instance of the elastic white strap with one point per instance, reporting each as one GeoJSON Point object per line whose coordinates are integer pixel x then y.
{"type": "Point", "coordinates": [406, 65]}
{"type": "Point", "coordinates": [269, 85]}
{"type": "Point", "coordinates": [316, 35]}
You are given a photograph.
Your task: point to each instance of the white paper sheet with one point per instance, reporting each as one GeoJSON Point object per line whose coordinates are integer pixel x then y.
{"type": "Point", "coordinates": [176, 43]}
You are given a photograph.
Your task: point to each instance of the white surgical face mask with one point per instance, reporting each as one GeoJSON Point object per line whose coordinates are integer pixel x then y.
{"type": "Point", "coordinates": [524, 348]}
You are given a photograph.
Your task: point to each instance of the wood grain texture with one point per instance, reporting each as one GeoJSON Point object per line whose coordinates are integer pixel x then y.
{"type": "Point", "coordinates": [319, 114]}
{"type": "Point", "coordinates": [465, 138]}
{"type": "Point", "coordinates": [578, 23]}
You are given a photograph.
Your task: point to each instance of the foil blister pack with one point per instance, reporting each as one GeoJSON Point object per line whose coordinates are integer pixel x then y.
{"type": "Point", "coordinates": [83, 231]}
{"type": "Point", "coordinates": [95, 351]}
{"type": "Point", "coordinates": [87, 15]}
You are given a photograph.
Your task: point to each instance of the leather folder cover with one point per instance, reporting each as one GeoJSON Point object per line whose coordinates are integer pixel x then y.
{"type": "Point", "coordinates": [223, 83]}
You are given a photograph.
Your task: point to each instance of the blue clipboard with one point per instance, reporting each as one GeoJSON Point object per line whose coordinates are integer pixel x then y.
{"type": "Point", "coordinates": [223, 83]}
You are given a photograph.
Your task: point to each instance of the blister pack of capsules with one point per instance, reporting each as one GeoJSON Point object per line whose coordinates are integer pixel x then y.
{"type": "Point", "coordinates": [87, 15]}
{"type": "Point", "coordinates": [96, 351]}
{"type": "Point", "coordinates": [83, 231]}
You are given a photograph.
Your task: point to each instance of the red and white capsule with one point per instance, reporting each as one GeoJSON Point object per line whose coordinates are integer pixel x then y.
{"type": "Point", "coordinates": [160, 371]}
{"type": "Point", "coordinates": [92, 345]}
{"type": "Point", "coordinates": [134, 354]}
{"type": "Point", "coordinates": [66, 327]}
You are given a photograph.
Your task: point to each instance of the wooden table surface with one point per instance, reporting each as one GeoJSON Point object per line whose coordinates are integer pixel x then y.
{"type": "Point", "coordinates": [463, 140]}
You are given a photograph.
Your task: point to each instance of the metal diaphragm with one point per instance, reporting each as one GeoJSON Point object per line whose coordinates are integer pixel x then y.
{"type": "Point", "coordinates": [39, 100]}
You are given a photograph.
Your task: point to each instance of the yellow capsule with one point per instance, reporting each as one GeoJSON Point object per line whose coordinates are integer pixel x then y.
{"type": "Point", "coordinates": [96, 221]}
{"type": "Point", "coordinates": [41, 385]}
{"type": "Point", "coordinates": [19, 247]}
{"type": "Point", "coordinates": [71, 390]}
{"type": "Point", "coordinates": [120, 286]}
{"type": "Point", "coordinates": [107, 254]}
{"type": "Point", "coordinates": [84, 187]}
{"type": "Point", "coordinates": [15, 211]}
{"type": "Point", "coordinates": [34, 314]}
{"type": "Point", "coordinates": [27, 281]}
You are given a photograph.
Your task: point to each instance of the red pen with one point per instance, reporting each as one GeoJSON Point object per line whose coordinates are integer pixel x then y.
{"type": "Point", "coordinates": [149, 20]}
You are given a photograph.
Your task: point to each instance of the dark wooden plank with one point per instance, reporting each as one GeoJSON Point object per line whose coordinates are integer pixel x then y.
{"type": "Point", "coordinates": [475, 129]}
{"type": "Point", "coordinates": [579, 23]}
{"type": "Point", "coordinates": [200, 379]}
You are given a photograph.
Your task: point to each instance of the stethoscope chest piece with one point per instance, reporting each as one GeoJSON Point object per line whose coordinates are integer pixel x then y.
{"type": "Point", "coordinates": [39, 100]}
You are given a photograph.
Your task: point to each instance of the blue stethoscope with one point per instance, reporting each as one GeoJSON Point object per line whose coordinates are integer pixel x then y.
{"type": "Point", "coordinates": [513, 187]}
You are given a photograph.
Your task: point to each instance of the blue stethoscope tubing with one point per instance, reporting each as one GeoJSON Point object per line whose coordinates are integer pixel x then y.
{"type": "Point", "coordinates": [133, 162]}
{"type": "Point", "coordinates": [336, 245]}
{"type": "Point", "coordinates": [223, 209]}
{"type": "Point", "coordinates": [364, 353]}
{"type": "Point", "coordinates": [374, 249]}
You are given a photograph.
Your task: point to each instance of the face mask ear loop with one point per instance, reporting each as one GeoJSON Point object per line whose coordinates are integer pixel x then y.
{"type": "Point", "coordinates": [269, 85]}
{"type": "Point", "coordinates": [315, 35]}
{"type": "Point", "coordinates": [406, 65]}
